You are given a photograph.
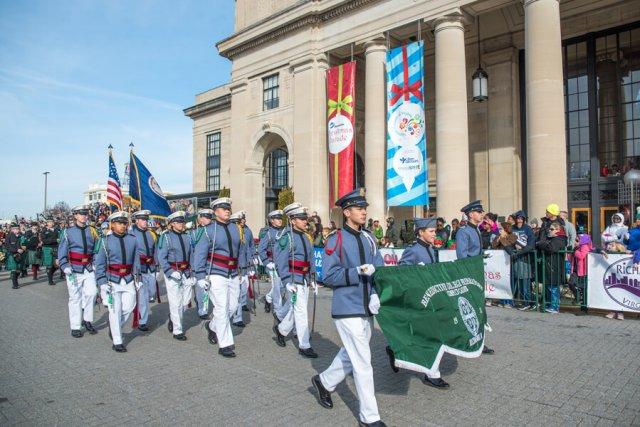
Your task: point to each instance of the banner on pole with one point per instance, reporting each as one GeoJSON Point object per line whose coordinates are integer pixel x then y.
{"type": "Point", "coordinates": [407, 183]}
{"type": "Point", "coordinates": [341, 110]}
{"type": "Point", "coordinates": [144, 189]}
{"type": "Point", "coordinates": [613, 283]}
{"type": "Point", "coordinates": [429, 310]}
{"type": "Point", "coordinates": [497, 272]}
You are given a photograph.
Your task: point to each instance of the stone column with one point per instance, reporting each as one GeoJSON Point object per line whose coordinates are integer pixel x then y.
{"type": "Point", "coordinates": [375, 128]}
{"type": "Point", "coordinates": [452, 133]}
{"type": "Point", "coordinates": [237, 181]}
{"type": "Point", "coordinates": [546, 146]}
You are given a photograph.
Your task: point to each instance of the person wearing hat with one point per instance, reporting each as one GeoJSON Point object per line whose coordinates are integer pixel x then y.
{"type": "Point", "coordinates": [205, 216]}
{"type": "Point", "coordinates": [245, 262]}
{"type": "Point", "coordinates": [551, 215]}
{"type": "Point", "coordinates": [49, 238]}
{"type": "Point", "coordinates": [32, 242]}
{"type": "Point", "coordinates": [75, 257]}
{"type": "Point", "coordinates": [215, 258]}
{"type": "Point", "coordinates": [267, 236]}
{"type": "Point", "coordinates": [521, 261]}
{"type": "Point", "coordinates": [118, 267]}
{"type": "Point", "coordinates": [174, 254]}
{"type": "Point", "coordinates": [15, 251]}
{"type": "Point", "coordinates": [349, 260]}
{"type": "Point", "coordinates": [146, 244]}
{"type": "Point", "coordinates": [296, 268]}
{"type": "Point", "coordinates": [469, 239]}
{"type": "Point", "coordinates": [421, 253]}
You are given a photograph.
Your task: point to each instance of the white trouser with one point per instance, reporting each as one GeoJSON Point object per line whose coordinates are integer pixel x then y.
{"type": "Point", "coordinates": [280, 307]}
{"type": "Point", "coordinates": [123, 302]}
{"type": "Point", "coordinates": [145, 293]}
{"type": "Point", "coordinates": [354, 358]}
{"type": "Point", "coordinates": [104, 288]}
{"type": "Point", "coordinates": [242, 297]}
{"type": "Point", "coordinates": [297, 314]}
{"type": "Point", "coordinates": [223, 293]}
{"type": "Point", "coordinates": [179, 294]}
{"type": "Point", "coordinates": [200, 293]}
{"type": "Point", "coordinates": [82, 297]}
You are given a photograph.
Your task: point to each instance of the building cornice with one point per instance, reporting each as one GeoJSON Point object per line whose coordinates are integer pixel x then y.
{"type": "Point", "coordinates": [216, 104]}
{"type": "Point", "coordinates": [235, 44]}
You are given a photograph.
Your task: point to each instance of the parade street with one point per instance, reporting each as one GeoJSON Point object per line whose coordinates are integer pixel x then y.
{"type": "Point", "coordinates": [547, 370]}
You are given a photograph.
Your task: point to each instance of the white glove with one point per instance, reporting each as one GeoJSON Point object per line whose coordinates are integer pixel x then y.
{"type": "Point", "coordinates": [67, 271]}
{"type": "Point", "coordinates": [138, 285]}
{"type": "Point", "coordinates": [204, 284]}
{"type": "Point", "coordinates": [366, 270]}
{"type": "Point", "coordinates": [270, 265]}
{"type": "Point", "coordinates": [251, 272]}
{"type": "Point", "coordinates": [374, 303]}
{"type": "Point", "coordinates": [421, 263]}
{"type": "Point", "coordinates": [291, 288]}
{"type": "Point", "coordinates": [314, 287]}
{"type": "Point", "coordinates": [191, 281]}
{"type": "Point", "coordinates": [176, 275]}
{"type": "Point", "coordinates": [256, 261]}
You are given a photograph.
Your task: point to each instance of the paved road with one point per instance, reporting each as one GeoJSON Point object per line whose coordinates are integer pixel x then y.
{"type": "Point", "coordinates": [548, 369]}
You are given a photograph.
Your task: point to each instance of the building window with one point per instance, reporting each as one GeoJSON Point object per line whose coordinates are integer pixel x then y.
{"type": "Point", "coordinates": [277, 169]}
{"type": "Point", "coordinates": [577, 111]}
{"type": "Point", "coordinates": [270, 92]}
{"type": "Point", "coordinates": [213, 161]}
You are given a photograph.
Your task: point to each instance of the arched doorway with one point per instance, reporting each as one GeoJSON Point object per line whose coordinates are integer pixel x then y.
{"type": "Point", "coordinates": [276, 176]}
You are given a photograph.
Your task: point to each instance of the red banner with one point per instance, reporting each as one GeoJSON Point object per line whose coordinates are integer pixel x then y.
{"type": "Point", "coordinates": [341, 108]}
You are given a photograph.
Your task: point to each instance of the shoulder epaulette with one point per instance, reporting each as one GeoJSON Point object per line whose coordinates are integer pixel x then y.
{"type": "Point", "coordinates": [197, 235]}
{"type": "Point", "coordinates": [263, 232]}
{"type": "Point", "coordinates": [94, 232]}
{"type": "Point", "coordinates": [283, 241]}
{"type": "Point", "coordinates": [154, 235]}
{"type": "Point", "coordinates": [98, 245]}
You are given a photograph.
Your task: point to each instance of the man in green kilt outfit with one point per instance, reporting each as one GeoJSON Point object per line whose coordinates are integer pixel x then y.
{"type": "Point", "coordinates": [14, 251]}
{"type": "Point", "coordinates": [49, 238]}
{"type": "Point", "coordinates": [32, 242]}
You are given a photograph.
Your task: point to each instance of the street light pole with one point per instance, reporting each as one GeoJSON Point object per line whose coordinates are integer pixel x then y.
{"type": "Point", "coordinates": [46, 174]}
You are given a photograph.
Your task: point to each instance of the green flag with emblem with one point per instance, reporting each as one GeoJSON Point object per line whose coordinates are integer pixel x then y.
{"type": "Point", "coordinates": [430, 310]}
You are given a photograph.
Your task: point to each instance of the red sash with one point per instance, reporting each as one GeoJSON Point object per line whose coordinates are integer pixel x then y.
{"type": "Point", "coordinates": [120, 270]}
{"type": "Point", "coordinates": [299, 267]}
{"type": "Point", "coordinates": [180, 265]}
{"type": "Point", "coordinates": [146, 260]}
{"type": "Point", "coordinates": [78, 258]}
{"type": "Point", "coordinates": [223, 261]}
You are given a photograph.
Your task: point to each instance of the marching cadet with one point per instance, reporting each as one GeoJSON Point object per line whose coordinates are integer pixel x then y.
{"type": "Point", "coordinates": [349, 261]}
{"type": "Point", "coordinates": [49, 239]}
{"type": "Point", "coordinates": [215, 260]}
{"type": "Point", "coordinates": [32, 241]}
{"type": "Point", "coordinates": [296, 268]}
{"type": "Point", "coordinates": [174, 256]}
{"type": "Point", "coordinates": [75, 258]}
{"type": "Point", "coordinates": [273, 299]}
{"type": "Point", "coordinates": [118, 267]}
{"type": "Point", "coordinates": [205, 216]}
{"type": "Point", "coordinates": [421, 253]}
{"type": "Point", "coordinates": [469, 240]}
{"type": "Point", "coordinates": [245, 262]}
{"type": "Point", "coordinates": [15, 252]}
{"type": "Point", "coordinates": [146, 240]}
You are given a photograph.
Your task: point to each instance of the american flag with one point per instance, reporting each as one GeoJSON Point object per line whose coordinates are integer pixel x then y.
{"type": "Point", "coordinates": [114, 194]}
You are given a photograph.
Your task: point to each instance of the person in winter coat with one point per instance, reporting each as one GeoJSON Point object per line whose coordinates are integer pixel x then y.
{"type": "Point", "coordinates": [551, 246]}
{"type": "Point", "coordinates": [521, 260]}
{"type": "Point", "coordinates": [616, 231]}
{"type": "Point", "coordinates": [506, 240]}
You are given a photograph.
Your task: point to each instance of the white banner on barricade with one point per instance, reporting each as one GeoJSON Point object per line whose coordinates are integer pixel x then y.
{"type": "Point", "coordinates": [497, 272]}
{"type": "Point", "coordinates": [391, 256]}
{"type": "Point", "coordinates": [613, 283]}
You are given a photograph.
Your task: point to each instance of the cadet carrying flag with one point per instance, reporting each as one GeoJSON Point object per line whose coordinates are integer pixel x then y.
{"type": "Point", "coordinates": [430, 310]}
{"type": "Point", "coordinates": [114, 192]}
{"type": "Point", "coordinates": [144, 189]}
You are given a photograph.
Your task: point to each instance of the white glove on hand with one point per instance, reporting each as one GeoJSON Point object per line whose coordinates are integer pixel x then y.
{"type": "Point", "coordinates": [270, 265]}
{"type": "Point", "coordinates": [251, 273]}
{"type": "Point", "coordinates": [256, 262]}
{"type": "Point", "coordinates": [191, 281]}
{"type": "Point", "coordinates": [291, 288]}
{"type": "Point", "coordinates": [176, 275]}
{"type": "Point", "coordinates": [374, 303]}
{"type": "Point", "coordinates": [67, 271]}
{"type": "Point", "coordinates": [204, 284]}
{"type": "Point", "coordinates": [421, 263]}
{"type": "Point", "coordinates": [366, 270]}
{"type": "Point", "coordinates": [138, 285]}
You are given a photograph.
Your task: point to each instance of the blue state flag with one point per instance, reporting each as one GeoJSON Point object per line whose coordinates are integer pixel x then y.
{"type": "Point", "coordinates": [144, 189]}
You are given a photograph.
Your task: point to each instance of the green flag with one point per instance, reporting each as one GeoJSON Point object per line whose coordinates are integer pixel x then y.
{"type": "Point", "coordinates": [429, 310]}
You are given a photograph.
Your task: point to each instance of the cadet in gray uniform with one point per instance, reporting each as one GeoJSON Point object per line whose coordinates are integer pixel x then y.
{"type": "Point", "coordinates": [146, 240]}
{"type": "Point", "coordinates": [245, 263]}
{"type": "Point", "coordinates": [205, 216]}
{"type": "Point", "coordinates": [273, 299]}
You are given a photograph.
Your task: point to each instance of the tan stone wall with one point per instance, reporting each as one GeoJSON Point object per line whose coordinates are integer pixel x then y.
{"type": "Point", "coordinates": [202, 126]}
{"type": "Point", "coordinates": [251, 11]}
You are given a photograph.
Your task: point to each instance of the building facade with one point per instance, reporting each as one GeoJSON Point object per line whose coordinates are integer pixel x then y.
{"type": "Point", "coordinates": [95, 193]}
{"type": "Point", "coordinates": [560, 125]}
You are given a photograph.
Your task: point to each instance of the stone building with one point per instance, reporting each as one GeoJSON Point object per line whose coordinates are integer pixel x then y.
{"type": "Point", "coordinates": [561, 118]}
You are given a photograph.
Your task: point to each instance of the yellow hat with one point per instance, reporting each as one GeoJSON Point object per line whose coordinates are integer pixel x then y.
{"type": "Point", "coordinates": [553, 209]}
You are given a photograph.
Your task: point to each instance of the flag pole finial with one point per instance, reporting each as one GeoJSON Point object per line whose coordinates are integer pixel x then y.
{"type": "Point", "coordinates": [131, 145]}
{"type": "Point", "coordinates": [110, 147]}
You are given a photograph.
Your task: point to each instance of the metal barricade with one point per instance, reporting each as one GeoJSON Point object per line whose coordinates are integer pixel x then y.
{"type": "Point", "coordinates": [524, 280]}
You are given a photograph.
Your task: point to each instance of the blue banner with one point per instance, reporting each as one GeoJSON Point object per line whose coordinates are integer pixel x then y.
{"type": "Point", "coordinates": [317, 259]}
{"type": "Point", "coordinates": [144, 189]}
{"type": "Point", "coordinates": [407, 178]}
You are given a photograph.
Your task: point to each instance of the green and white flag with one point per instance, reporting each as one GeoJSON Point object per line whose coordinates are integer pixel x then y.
{"type": "Point", "coordinates": [429, 310]}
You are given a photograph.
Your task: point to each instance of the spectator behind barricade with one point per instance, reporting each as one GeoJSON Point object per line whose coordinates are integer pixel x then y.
{"type": "Point", "coordinates": [406, 234]}
{"type": "Point", "coordinates": [570, 229]}
{"type": "Point", "coordinates": [488, 229]}
{"type": "Point", "coordinates": [332, 225]}
{"type": "Point", "coordinates": [442, 233]}
{"type": "Point", "coordinates": [378, 231]}
{"type": "Point", "coordinates": [553, 243]}
{"type": "Point", "coordinates": [552, 215]}
{"type": "Point", "coordinates": [392, 234]}
{"type": "Point", "coordinates": [506, 241]}
{"type": "Point", "coordinates": [386, 243]}
{"type": "Point", "coordinates": [455, 226]}
{"type": "Point", "coordinates": [535, 227]}
{"type": "Point", "coordinates": [521, 261]}
{"type": "Point", "coordinates": [616, 231]}
{"type": "Point", "coordinates": [511, 219]}
{"type": "Point", "coordinates": [577, 278]}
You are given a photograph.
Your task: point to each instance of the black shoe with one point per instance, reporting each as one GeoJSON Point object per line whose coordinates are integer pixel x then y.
{"type": "Point", "coordinates": [143, 327]}
{"type": "Point", "coordinates": [324, 396]}
{"type": "Point", "coordinates": [226, 352]}
{"type": "Point", "coordinates": [76, 333]}
{"type": "Point", "coordinates": [170, 326]}
{"type": "Point", "coordinates": [279, 337]}
{"type": "Point", "coordinates": [487, 350]}
{"type": "Point", "coordinates": [211, 336]}
{"type": "Point", "coordinates": [373, 424]}
{"type": "Point", "coordinates": [308, 353]}
{"type": "Point", "coordinates": [245, 308]}
{"type": "Point", "coordinates": [119, 348]}
{"type": "Point", "coordinates": [89, 327]}
{"type": "Point", "coordinates": [180, 337]}
{"type": "Point", "coordinates": [239, 324]}
{"type": "Point", "coordinates": [436, 382]}
{"type": "Point", "coordinates": [267, 307]}
{"type": "Point", "coordinates": [14, 280]}
{"type": "Point", "coordinates": [392, 360]}
{"type": "Point", "coordinates": [204, 316]}
{"type": "Point", "coordinates": [52, 284]}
